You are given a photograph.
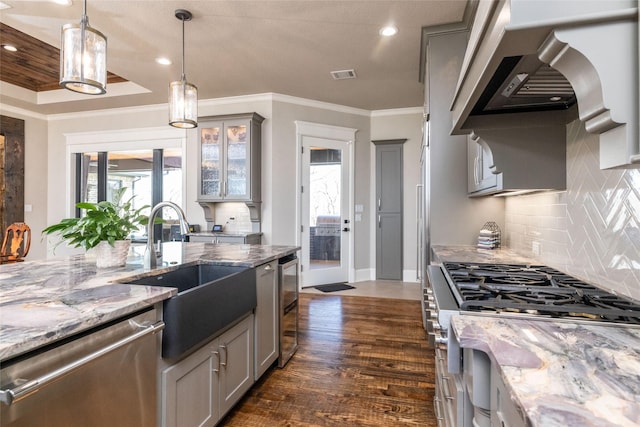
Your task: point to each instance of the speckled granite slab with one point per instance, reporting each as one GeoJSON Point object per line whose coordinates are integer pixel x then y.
{"type": "Point", "coordinates": [443, 253]}
{"type": "Point", "coordinates": [44, 301]}
{"type": "Point", "coordinates": [561, 374]}
{"type": "Point", "coordinates": [220, 233]}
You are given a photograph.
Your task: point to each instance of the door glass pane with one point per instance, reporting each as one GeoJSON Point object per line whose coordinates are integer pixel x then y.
{"type": "Point", "coordinates": [172, 190]}
{"type": "Point", "coordinates": [236, 161]}
{"type": "Point", "coordinates": [210, 143]}
{"type": "Point", "coordinates": [324, 207]}
{"type": "Point", "coordinates": [172, 179]}
{"type": "Point", "coordinates": [89, 177]}
{"type": "Point", "coordinates": [132, 170]}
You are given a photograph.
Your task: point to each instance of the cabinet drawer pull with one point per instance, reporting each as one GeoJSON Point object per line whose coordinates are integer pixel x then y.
{"type": "Point", "coordinates": [224, 347]}
{"type": "Point", "coordinates": [217, 354]}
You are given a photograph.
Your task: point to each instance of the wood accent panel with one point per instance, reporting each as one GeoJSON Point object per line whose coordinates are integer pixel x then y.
{"type": "Point", "coordinates": [36, 64]}
{"type": "Point", "coordinates": [361, 361]}
{"type": "Point", "coordinates": [11, 171]}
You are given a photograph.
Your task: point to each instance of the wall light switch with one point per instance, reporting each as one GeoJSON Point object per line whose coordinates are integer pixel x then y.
{"type": "Point", "coordinates": [28, 208]}
{"type": "Point", "coordinates": [359, 208]}
{"type": "Point", "coordinates": [358, 217]}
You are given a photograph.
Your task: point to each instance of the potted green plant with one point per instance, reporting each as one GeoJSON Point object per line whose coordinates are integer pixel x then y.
{"type": "Point", "coordinates": [105, 229]}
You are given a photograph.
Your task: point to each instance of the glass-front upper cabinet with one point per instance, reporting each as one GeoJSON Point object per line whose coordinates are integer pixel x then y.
{"type": "Point", "coordinates": [230, 157]}
{"type": "Point", "coordinates": [210, 161]}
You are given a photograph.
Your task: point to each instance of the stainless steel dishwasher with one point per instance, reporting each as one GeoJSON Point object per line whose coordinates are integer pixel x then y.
{"type": "Point", "coordinates": [288, 308]}
{"type": "Point", "coordinates": [103, 377]}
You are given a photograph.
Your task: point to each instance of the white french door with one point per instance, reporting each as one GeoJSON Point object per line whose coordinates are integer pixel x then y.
{"type": "Point", "coordinates": [325, 213]}
{"type": "Point", "coordinates": [324, 197]}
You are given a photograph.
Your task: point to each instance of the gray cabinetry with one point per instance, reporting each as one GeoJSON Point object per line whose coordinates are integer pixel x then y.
{"type": "Point", "coordinates": [389, 199]}
{"type": "Point", "coordinates": [236, 363]}
{"type": "Point", "coordinates": [504, 412]}
{"type": "Point", "coordinates": [200, 389]}
{"type": "Point", "coordinates": [452, 405]}
{"type": "Point", "coordinates": [229, 158]}
{"type": "Point", "coordinates": [480, 164]}
{"type": "Point", "coordinates": [510, 160]}
{"type": "Point", "coordinates": [266, 317]}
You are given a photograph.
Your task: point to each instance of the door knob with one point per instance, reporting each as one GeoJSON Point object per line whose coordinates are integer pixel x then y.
{"type": "Point", "coordinates": [346, 229]}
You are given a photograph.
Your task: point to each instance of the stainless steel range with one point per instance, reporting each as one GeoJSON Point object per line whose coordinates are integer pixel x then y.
{"type": "Point", "coordinates": [462, 397]}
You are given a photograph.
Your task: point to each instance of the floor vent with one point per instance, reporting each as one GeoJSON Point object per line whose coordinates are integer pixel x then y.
{"type": "Point", "coordinates": [343, 74]}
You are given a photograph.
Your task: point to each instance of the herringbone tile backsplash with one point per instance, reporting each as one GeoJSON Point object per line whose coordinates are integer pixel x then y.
{"type": "Point", "coordinates": [591, 230]}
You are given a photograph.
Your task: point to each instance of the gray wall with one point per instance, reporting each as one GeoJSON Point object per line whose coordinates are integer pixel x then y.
{"type": "Point", "coordinates": [401, 124]}
{"type": "Point", "coordinates": [283, 171]}
{"type": "Point", "coordinates": [49, 189]}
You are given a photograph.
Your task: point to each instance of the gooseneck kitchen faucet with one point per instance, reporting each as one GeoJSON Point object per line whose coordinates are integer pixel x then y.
{"type": "Point", "coordinates": [150, 256]}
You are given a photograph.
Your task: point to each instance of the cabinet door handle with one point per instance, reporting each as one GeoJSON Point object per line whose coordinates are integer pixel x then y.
{"type": "Point", "coordinates": [224, 347]}
{"type": "Point", "coordinates": [268, 267]}
{"type": "Point", "coordinates": [476, 177]}
{"type": "Point", "coordinates": [217, 354]}
{"type": "Point", "coordinates": [379, 203]}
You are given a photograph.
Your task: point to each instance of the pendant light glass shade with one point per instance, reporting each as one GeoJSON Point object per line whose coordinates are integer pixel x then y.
{"type": "Point", "coordinates": [183, 104]}
{"type": "Point", "coordinates": [83, 58]}
{"type": "Point", "coordinates": [183, 96]}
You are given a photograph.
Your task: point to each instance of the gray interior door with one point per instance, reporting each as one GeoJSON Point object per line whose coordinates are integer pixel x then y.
{"type": "Point", "coordinates": [389, 209]}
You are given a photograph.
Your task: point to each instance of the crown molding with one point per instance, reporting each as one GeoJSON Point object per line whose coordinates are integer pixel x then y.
{"type": "Point", "coordinates": [261, 97]}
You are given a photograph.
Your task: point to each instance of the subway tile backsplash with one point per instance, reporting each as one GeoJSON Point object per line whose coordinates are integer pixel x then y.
{"type": "Point", "coordinates": [591, 230]}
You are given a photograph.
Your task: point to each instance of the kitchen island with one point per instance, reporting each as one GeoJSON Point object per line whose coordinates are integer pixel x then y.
{"type": "Point", "coordinates": [49, 300]}
{"type": "Point", "coordinates": [558, 373]}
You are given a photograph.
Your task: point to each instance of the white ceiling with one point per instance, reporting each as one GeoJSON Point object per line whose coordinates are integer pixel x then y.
{"type": "Point", "coordinates": [244, 47]}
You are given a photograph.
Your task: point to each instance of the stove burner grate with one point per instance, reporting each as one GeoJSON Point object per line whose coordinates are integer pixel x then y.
{"type": "Point", "coordinates": [538, 290]}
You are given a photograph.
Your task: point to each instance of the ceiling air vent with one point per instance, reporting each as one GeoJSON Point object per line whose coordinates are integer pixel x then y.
{"type": "Point", "coordinates": [343, 74]}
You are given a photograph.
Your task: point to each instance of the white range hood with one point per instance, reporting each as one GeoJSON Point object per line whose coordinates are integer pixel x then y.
{"type": "Point", "coordinates": [517, 48]}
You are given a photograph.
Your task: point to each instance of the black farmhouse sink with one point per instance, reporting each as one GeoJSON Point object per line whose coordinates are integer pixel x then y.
{"type": "Point", "coordinates": [210, 298]}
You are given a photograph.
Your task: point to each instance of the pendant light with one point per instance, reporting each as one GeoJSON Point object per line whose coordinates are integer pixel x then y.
{"type": "Point", "coordinates": [183, 96]}
{"type": "Point", "coordinates": [83, 58]}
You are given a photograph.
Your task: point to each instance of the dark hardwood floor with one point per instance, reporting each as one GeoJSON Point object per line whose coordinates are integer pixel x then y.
{"type": "Point", "coordinates": [361, 361]}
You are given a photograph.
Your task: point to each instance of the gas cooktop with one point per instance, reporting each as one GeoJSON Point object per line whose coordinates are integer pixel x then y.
{"type": "Point", "coordinates": [534, 289]}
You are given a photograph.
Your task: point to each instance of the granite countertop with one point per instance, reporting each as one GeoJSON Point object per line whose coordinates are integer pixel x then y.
{"type": "Point", "coordinates": [468, 253]}
{"type": "Point", "coordinates": [44, 301]}
{"type": "Point", "coordinates": [224, 233]}
{"type": "Point", "coordinates": [561, 374]}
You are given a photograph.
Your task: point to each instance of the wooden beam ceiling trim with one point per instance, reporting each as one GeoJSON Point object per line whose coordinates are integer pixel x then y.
{"type": "Point", "coordinates": [36, 64]}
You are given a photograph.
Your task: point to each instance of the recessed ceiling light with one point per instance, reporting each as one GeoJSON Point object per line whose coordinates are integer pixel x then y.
{"type": "Point", "coordinates": [62, 2]}
{"type": "Point", "coordinates": [163, 61]}
{"type": "Point", "coordinates": [555, 98]}
{"type": "Point", "coordinates": [10, 47]}
{"type": "Point", "coordinates": [388, 31]}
